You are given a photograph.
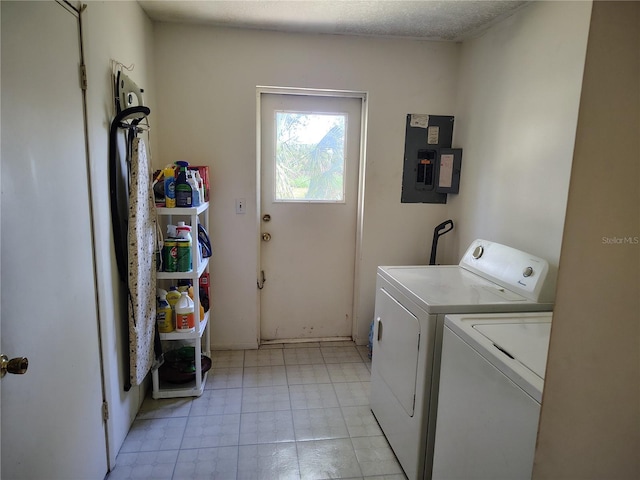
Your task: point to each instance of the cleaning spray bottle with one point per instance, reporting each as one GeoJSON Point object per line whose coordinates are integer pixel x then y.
{"type": "Point", "coordinates": [164, 314]}
{"type": "Point", "coordinates": [183, 189]}
{"type": "Point", "coordinates": [169, 187]}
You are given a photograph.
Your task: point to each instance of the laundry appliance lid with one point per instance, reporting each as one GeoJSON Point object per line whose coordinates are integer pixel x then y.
{"type": "Point", "coordinates": [515, 343]}
{"type": "Point", "coordinates": [527, 342]}
{"type": "Point", "coordinates": [452, 289]}
{"type": "Point", "coordinates": [490, 277]}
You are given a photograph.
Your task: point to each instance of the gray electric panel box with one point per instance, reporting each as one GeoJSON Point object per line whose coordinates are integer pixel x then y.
{"type": "Point", "coordinates": [428, 146]}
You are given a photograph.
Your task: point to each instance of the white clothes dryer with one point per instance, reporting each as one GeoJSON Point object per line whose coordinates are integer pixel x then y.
{"type": "Point", "coordinates": [491, 380]}
{"type": "Point", "coordinates": [411, 304]}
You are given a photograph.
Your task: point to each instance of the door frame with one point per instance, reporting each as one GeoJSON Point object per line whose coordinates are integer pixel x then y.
{"type": "Point", "coordinates": [315, 92]}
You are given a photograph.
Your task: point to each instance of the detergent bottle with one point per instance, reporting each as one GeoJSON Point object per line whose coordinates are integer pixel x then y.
{"type": "Point", "coordinates": [195, 191]}
{"type": "Point", "coordinates": [190, 292]}
{"type": "Point", "coordinates": [183, 231]}
{"type": "Point", "coordinates": [184, 247]}
{"type": "Point", "coordinates": [172, 298]}
{"type": "Point", "coordinates": [185, 321]}
{"type": "Point", "coordinates": [169, 188]}
{"type": "Point", "coordinates": [196, 174]}
{"type": "Point", "coordinates": [184, 196]}
{"type": "Point", "coordinates": [164, 314]}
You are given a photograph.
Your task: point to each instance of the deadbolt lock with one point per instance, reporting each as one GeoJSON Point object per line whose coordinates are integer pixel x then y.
{"type": "Point", "coordinates": [266, 217]}
{"type": "Point", "coordinates": [16, 365]}
{"type": "Point", "coordinates": [266, 237]}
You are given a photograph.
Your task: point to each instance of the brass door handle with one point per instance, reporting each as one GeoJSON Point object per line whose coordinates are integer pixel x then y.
{"type": "Point", "coordinates": [266, 237]}
{"type": "Point", "coordinates": [16, 365]}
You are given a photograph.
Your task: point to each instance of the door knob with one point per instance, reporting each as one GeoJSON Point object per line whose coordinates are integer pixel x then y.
{"type": "Point", "coordinates": [266, 237]}
{"type": "Point", "coordinates": [16, 365]}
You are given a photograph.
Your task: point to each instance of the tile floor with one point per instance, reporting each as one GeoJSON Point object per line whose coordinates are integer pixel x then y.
{"type": "Point", "coordinates": [293, 411]}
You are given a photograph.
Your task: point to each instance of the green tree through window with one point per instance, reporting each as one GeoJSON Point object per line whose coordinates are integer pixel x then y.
{"type": "Point", "coordinates": [310, 157]}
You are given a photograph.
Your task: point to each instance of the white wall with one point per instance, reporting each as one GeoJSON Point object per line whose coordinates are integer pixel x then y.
{"type": "Point", "coordinates": [590, 421]}
{"type": "Point", "coordinates": [207, 78]}
{"type": "Point", "coordinates": [119, 31]}
{"type": "Point", "coordinates": [518, 98]}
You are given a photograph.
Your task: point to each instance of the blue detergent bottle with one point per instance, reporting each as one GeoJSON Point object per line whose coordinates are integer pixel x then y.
{"type": "Point", "coordinates": [184, 194]}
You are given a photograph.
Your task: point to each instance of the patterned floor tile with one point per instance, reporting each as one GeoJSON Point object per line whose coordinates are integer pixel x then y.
{"type": "Point", "coordinates": [316, 395]}
{"type": "Point", "coordinates": [322, 459]}
{"type": "Point", "coordinates": [348, 372]}
{"type": "Point", "coordinates": [217, 402]}
{"type": "Point", "coordinates": [207, 463]}
{"type": "Point", "coordinates": [263, 358]}
{"type": "Point", "coordinates": [319, 424]}
{"type": "Point", "coordinates": [164, 408]}
{"type": "Point", "coordinates": [227, 358]}
{"type": "Point", "coordinates": [306, 374]}
{"type": "Point", "coordinates": [264, 376]}
{"type": "Point", "coordinates": [360, 421]}
{"type": "Point", "coordinates": [303, 356]}
{"type": "Point", "coordinates": [284, 411]}
{"type": "Point", "coordinates": [155, 434]}
{"type": "Point", "coordinates": [266, 427]}
{"type": "Point", "coordinates": [352, 393]}
{"type": "Point", "coordinates": [273, 461]}
{"type": "Point", "coordinates": [224, 378]}
{"type": "Point", "coordinates": [145, 465]}
{"type": "Point", "coordinates": [265, 399]}
{"type": "Point", "coordinates": [375, 456]}
{"type": "Point", "coordinates": [211, 431]}
{"type": "Point", "coordinates": [340, 354]}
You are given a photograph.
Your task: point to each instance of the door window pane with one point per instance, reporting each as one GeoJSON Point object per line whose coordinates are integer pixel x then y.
{"type": "Point", "coordinates": [309, 157]}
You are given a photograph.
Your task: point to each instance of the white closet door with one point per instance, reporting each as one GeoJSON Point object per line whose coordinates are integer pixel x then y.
{"type": "Point", "coordinates": [52, 423]}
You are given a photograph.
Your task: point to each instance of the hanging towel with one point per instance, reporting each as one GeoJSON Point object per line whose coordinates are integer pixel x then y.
{"type": "Point", "coordinates": [142, 265]}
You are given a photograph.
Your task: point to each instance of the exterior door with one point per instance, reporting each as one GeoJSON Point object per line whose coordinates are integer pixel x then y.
{"type": "Point", "coordinates": [309, 202]}
{"type": "Point", "coordinates": [51, 416]}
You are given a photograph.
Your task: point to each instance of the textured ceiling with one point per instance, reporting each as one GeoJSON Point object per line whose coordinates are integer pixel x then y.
{"type": "Point", "coordinates": [451, 20]}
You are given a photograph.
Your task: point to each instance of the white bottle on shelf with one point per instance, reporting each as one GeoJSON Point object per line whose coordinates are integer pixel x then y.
{"type": "Point", "coordinates": [185, 318]}
{"type": "Point", "coordinates": [195, 191]}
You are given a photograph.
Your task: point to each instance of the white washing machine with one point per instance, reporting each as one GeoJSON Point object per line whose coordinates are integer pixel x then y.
{"type": "Point", "coordinates": [491, 380]}
{"type": "Point", "coordinates": [411, 304]}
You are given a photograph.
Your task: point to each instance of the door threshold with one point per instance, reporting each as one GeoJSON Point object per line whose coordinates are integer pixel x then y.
{"type": "Point", "coordinates": [305, 340]}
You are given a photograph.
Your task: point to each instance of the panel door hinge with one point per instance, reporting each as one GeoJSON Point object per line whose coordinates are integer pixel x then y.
{"type": "Point", "coordinates": [105, 411]}
{"type": "Point", "coordinates": [83, 76]}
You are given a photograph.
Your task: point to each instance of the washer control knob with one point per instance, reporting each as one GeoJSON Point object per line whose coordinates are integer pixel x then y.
{"type": "Point", "coordinates": [477, 253]}
{"type": "Point", "coordinates": [527, 272]}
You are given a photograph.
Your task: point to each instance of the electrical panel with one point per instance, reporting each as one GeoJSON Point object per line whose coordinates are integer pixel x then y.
{"type": "Point", "coordinates": [431, 166]}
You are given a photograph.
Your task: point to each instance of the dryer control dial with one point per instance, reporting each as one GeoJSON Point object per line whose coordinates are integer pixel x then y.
{"type": "Point", "coordinates": [527, 272]}
{"type": "Point", "coordinates": [477, 253]}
